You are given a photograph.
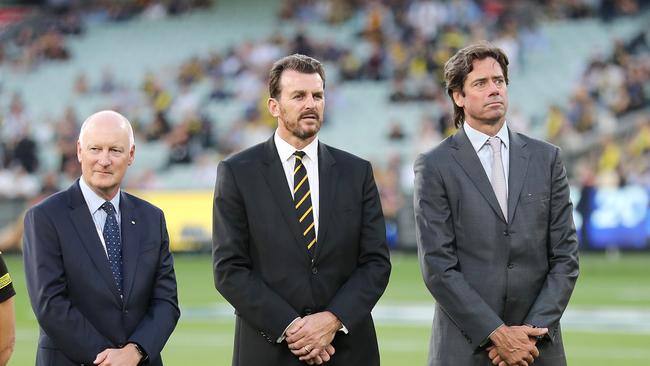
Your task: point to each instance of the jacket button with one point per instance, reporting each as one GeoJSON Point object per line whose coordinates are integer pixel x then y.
{"type": "Point", "coordinates": [314, 270]}
{"type": "Point", "coordinates": [511, 266]}
{"type": "Point", "coordinates": [505, 233]}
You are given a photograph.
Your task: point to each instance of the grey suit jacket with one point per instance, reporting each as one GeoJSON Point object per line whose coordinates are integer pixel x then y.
{"type": "Point", "coordinates": [482, 269]}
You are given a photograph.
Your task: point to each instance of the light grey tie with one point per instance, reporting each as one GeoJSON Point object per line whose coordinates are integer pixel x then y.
{"type": "Point", "coordinates": [498, 178]}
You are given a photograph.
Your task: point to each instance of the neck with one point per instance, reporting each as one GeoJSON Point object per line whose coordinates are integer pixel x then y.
{"type": "Point", "coordinates": [107, 195]}
{"type": "Point", "coordinates": [490, 129]}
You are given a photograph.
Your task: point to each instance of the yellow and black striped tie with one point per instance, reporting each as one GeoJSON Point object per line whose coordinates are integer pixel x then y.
{"type": "Point", "coordinates": [302, 202]}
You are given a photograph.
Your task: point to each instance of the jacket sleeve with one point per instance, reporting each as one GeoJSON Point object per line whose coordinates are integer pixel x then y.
{"type": "Point", "coordinates": [253, 300]}
{"type": "Point", "coordinates": [46, 281]}
{"type": "Point", "coordinates": [160, 320]}
{"type": "Point", "coordinates": [441, 271]}
{"type": "Point", "coordinates": [355, 299]}
{"type": "Point", "coordinates": [563, 256]}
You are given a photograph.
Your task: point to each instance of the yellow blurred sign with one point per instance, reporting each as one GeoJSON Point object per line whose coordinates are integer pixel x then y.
{"type": "Point", "coordinates": [188, 215]}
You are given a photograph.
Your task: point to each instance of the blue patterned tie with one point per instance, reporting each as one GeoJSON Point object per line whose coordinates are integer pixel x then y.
{"type": "Point", "coordinates": [113, 244]}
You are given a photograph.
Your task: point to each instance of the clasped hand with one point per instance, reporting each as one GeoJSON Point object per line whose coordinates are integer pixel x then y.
{"type": "Point", "coordinates": [125, 356]}
{"type": "Point", "coordinates": [515, 345]}
{"type": "Point", "coordinates": [310, 338]}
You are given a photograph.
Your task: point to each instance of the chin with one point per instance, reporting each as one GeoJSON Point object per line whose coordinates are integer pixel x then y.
{"type": "Point", "coordinates": [306, 133]}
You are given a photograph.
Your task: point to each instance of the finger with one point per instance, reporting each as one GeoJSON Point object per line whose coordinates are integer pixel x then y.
{"type": "Point", "coordinates": [298, 345]}
{"type": "Point", "coordinates": [535, 332]}
{"type": "Point", "coordinates": [330, 349]}
{"type": "Point", "coordinates": [295, 337]}
{"type": "Point", "coordinates": [312, 354]}
{"type": "Point", "coordinates": [296, 326]}
{"type": "Point", "coordinates": [324, 355]}
{"type": "Point", "coordinates": [302, 351]}
{"type": "Point", "coordinates": [497, 360]}
{"type": "Point", "coordinates": [101, 356]}
{"type": "Point", "coordinates": [502, 364]}
{"type": "Point", "coordinates": [534, 352]}
{"type": "Point", "coordinates": [318, 360]}
{"type": "Point", "coordinates": [492, 354]}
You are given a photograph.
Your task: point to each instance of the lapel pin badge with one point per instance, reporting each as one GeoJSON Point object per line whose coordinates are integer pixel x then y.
{"type": "Point", "coordinates": [132, 222]}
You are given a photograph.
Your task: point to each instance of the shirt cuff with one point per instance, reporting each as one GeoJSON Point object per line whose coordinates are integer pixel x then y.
{"type": "Point", "coordinates": [284, 334]}
{"type": "Point", "coordinates": [487, 340]}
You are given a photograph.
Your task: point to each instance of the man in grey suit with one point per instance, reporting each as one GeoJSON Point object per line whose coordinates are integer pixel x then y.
{"type": "Point", "coordinates": [495, 232]}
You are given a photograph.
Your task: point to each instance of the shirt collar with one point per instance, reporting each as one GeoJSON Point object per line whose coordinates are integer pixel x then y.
{"type": "Point", "coordinates": [285, 150]}
{"type": "Point", "coordinates": [478, 138]}
{"type": "Point", "coordinates": [93, 201]}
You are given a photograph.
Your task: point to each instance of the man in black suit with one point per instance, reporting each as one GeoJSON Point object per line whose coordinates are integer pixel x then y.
{"type": "Point", "coordinates": [299, 244]}
{"type": "Point", "coordinates": [494, 226]}
{"type": "Point", "coordinates": [99, 272]}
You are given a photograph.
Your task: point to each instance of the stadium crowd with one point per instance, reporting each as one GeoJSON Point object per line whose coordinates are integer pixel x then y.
{"type": "Point", "coordinates": [403, 42]}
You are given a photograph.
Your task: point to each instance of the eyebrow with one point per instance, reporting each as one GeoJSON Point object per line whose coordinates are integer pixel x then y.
{"type": "Point", "coordinates": [486, 78]}
{"type": "Point", "coordinates": [298, 92]}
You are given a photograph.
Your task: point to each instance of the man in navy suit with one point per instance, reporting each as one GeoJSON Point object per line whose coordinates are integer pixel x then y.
{"type": "Point", "coordinates": [99, 272]}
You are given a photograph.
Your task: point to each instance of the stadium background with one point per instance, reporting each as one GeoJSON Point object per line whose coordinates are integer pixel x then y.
{"type": "Point", "coordinates": [190, 75]}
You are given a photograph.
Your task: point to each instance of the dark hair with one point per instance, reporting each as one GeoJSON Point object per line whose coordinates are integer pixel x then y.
{"type": "Point", "coordinates": [297, 62]}
{"type": "Point", "coordinates": [461, 64]}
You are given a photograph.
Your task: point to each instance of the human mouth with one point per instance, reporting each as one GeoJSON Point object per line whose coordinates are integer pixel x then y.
{"type": "Point", "coordinates": [309, 116]}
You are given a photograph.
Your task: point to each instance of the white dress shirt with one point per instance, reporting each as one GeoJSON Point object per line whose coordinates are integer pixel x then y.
{"type": "Point", "coordinates": [480, 143]}
{"type": "Point", "coordinates": [310, 161]}
{"type": "Point", "coordinates": [94, 203]}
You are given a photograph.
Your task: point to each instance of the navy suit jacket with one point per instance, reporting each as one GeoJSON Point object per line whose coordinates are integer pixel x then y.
{"type": "Point", "coordinates": [72, 292]}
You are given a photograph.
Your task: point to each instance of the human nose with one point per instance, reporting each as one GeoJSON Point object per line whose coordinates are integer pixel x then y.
{"type": "Point", "coordinates": [310, 103]}
{"type": "Point", "coordinates": [104, 159]}
{"type": "Point", "coordinates": [494, 87]}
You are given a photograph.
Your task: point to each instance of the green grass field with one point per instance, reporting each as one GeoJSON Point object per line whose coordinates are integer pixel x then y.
{"type": "Point", "coordinates": [619, 283]}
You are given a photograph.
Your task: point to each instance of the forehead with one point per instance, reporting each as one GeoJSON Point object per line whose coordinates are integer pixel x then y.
{"type": "Point", "coordinates": [291, 81]}
{"type": "Point", "coordinates": [487, 67]}
{"type": "Point", "coordinates": [106, 131]}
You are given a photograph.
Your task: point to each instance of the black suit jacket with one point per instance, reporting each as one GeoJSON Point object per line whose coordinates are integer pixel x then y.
{"type": "Point", "coordinates": [262, 267]}
{"type": "Point", "coordinates": [484, 269]}
{"type": "Point", "coordinates": [71, 289]}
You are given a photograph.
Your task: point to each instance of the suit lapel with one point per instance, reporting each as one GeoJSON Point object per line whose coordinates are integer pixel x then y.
{"type": "Point", "coordinates": [327, 178]}
{"type": "Point", "coordinates": [519, 158]}
{"type": "Point", "coordinates": [85, 227]}
{"type": "Point", "coordinates": [277, 181]}
{"type": "Point", "coordinates": [466, 157]}
{"type": "Point", "coordinates": [130, 243]}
